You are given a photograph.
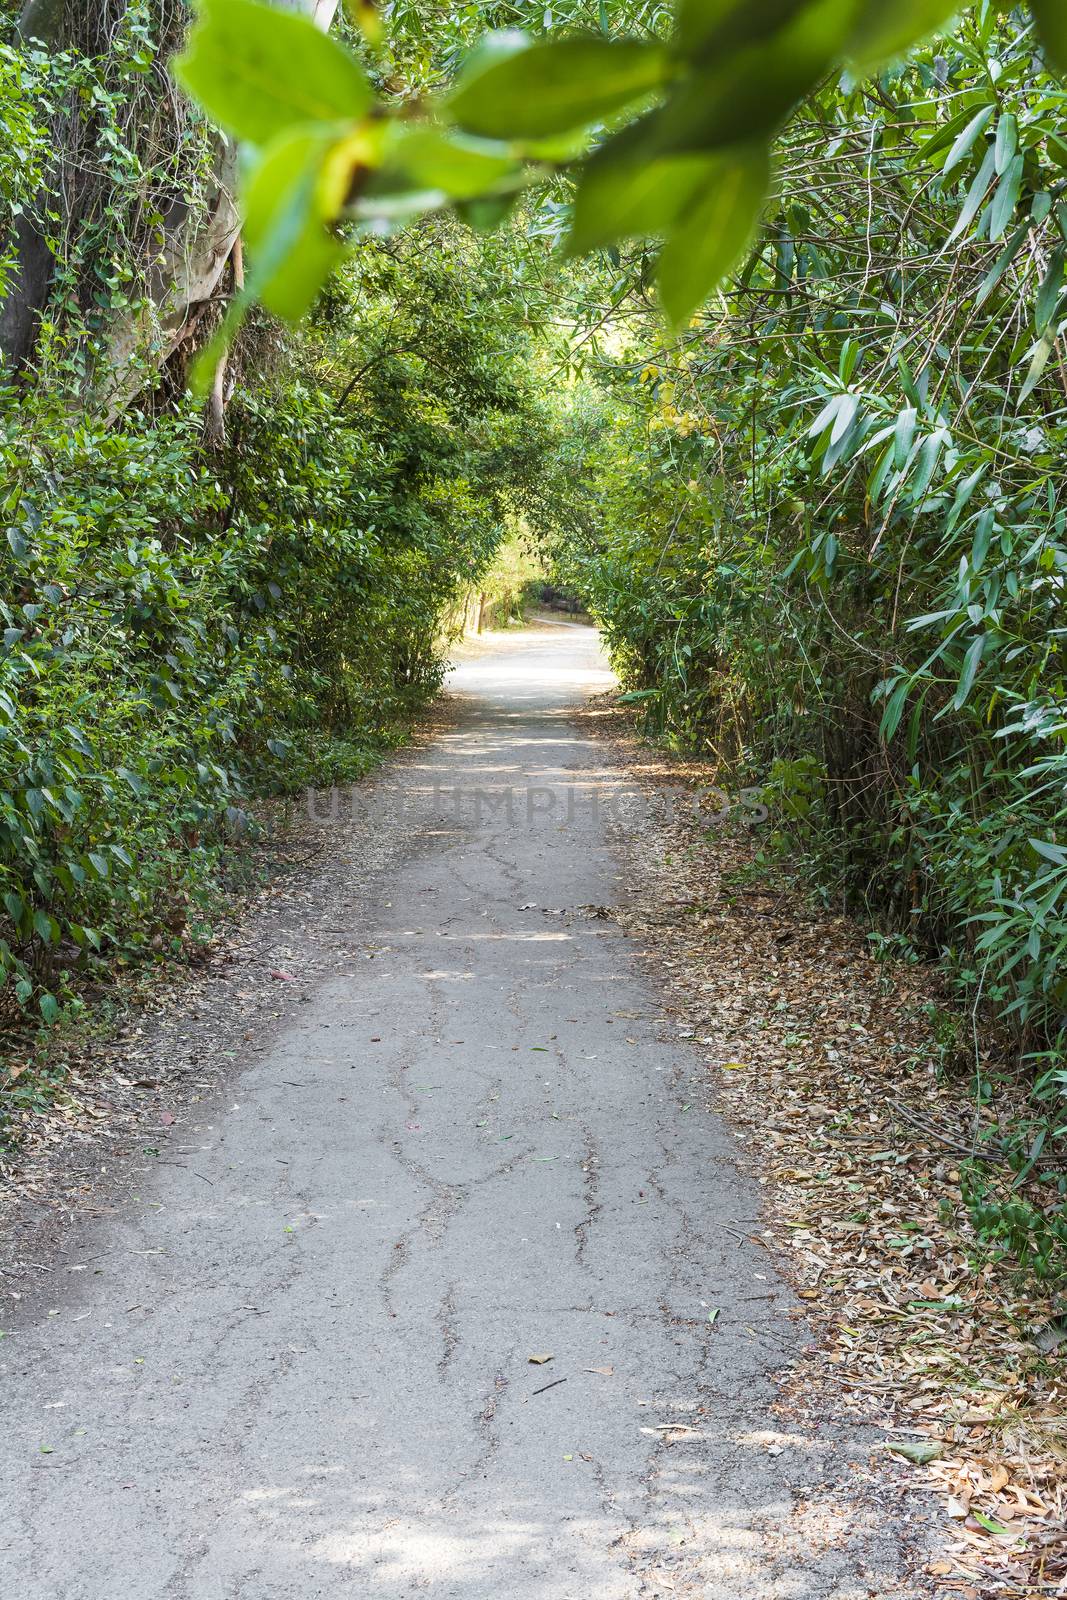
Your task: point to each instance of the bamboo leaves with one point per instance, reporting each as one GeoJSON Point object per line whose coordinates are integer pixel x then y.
{"type": "Point", "coordinates": [1006, 198]}
{"type": "Point", "coordinates": [976, 195]}
{"type": "Point", "coordinates": [1050, 291]}
{"type": "Point", "coordinates": [967, 138]}
{"type": "Point", "coordinates": [1007, 141]}
{"type": "Point", "coordinates": [971, 662]}
{"type": "Point", "coordinates": [875, 605]}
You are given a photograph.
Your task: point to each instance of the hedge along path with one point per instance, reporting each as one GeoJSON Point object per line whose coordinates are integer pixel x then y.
{"type": "Point", "coordinates": [857, 1122]}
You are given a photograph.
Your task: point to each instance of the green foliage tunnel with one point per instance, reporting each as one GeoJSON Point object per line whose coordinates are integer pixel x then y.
{"type": "Point", "coordinates": [751, 314]}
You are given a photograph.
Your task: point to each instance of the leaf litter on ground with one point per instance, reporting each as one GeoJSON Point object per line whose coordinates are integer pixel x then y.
{"type": "Point", "coordinates": [824, 1059]}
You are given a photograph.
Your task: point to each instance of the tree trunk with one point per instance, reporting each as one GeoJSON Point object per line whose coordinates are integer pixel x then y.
{"type": "Point", "coordinates": [193, 260]}
{"type": "Point", "coordinates": [215, 410]}
{"type": "Point", "coordinates": [191, 263]}
{"type": "Point", "coordinates": [31, 281]}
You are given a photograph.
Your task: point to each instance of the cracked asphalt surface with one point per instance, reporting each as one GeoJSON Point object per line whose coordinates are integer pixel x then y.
{"type": "Point", "coordinates": [299, 1364]}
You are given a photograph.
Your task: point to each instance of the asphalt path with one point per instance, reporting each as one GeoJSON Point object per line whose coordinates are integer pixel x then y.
{"type": "Point", "coordinates": [454, 1294]}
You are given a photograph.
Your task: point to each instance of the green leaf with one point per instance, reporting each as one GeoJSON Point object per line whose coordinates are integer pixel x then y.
{"type": "Point", "coordinates": [975, 196]}
{"type": "Point", "coordinates": [364, 14]}
{"type": "Point", "coordinates": [1007, 141]}
{"type": "Point", "coordinates": [990, 1524]}
{"type": "Point", "coordinates": [894, 710]}
{"type": "Point", "coordinates": [49, 1008]}
{"type": "Point", "coordinates": [891, 28]}
{"type": "Point", "coordinates": [845, 417]}
{"type": "Point", "coordinates": [131, 778]}
{"type": "Point", "coordinates": [1001, 265]}
{"type": "Point", "coordinates": [744, 96]}
{"type": "Point", "coordinates": [971, 662]}
{"type": "Point", "coordinates": [705, 245]}
{"type": "Point", "coordinates": [1051, 19]}
{"type": "Point", "coordinates": [258, 70]}
{"type": "Point", "coordinates": [285, 224]}
{"type": "Point", "coordinates": [483, 213]}
{"type": "Point", "coordinates": [1039, 360]}
{"type": "Point", "coordinates": [288, 190]}
{"type": "Point", "coordinates": [1005, 199]}
{"type": "Point", "coordinates": [925, 464]}
{"type": "Point", "coordinates": [553, 86]}
{"type": "Point", "coordinates": [1051, 852]}
{"type": "Point", "coordinates": [966, 141]}
{"type": "Point", "coordinates": [963, 495]}
{"type": "Point", "coordinates": [904, 435]}
{"type": "Point", "coordinates": [627, 192]}
{"type": "Point", "coordinates": [848, 360]}
{"type": "Point", "coordinates": [492, 49]}
{"type": "Point", "coordinates": [983, 535]}
{"type": "Point", "coordinates": [1048, 294]}
{"type": "Point", "coordinates": [560, 148]}
{"type": "Point", "coordinates": [704, 28]}
{"type": "Point", "coordinates": [877, 479]}
{"type": "Point", "coordinates": [918, 1450]}
{"type": "Point", "coordinates": [944, 136]}
{"type": "Point", "coordinates": [826, 416]}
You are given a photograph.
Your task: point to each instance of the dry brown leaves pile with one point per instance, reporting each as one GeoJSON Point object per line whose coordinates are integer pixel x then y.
{"type": "Point", "coordinates": [824, 1058]}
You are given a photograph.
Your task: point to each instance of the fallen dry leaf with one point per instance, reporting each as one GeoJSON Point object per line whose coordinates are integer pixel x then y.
{"type": "Point", "coordinates": [855, 1128]}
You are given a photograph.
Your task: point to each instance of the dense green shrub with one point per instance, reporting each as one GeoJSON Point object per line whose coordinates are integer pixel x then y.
{"type": "Point", "coordinates": [186, 627]}
{"type": "Point", "coordinates": [832, 548]}
{"type": "Point", "coordinates": [193, 617]}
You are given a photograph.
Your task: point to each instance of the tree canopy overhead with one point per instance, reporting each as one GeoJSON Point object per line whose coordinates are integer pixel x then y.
{"type": "Point", "coordinates": [665, 121]}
